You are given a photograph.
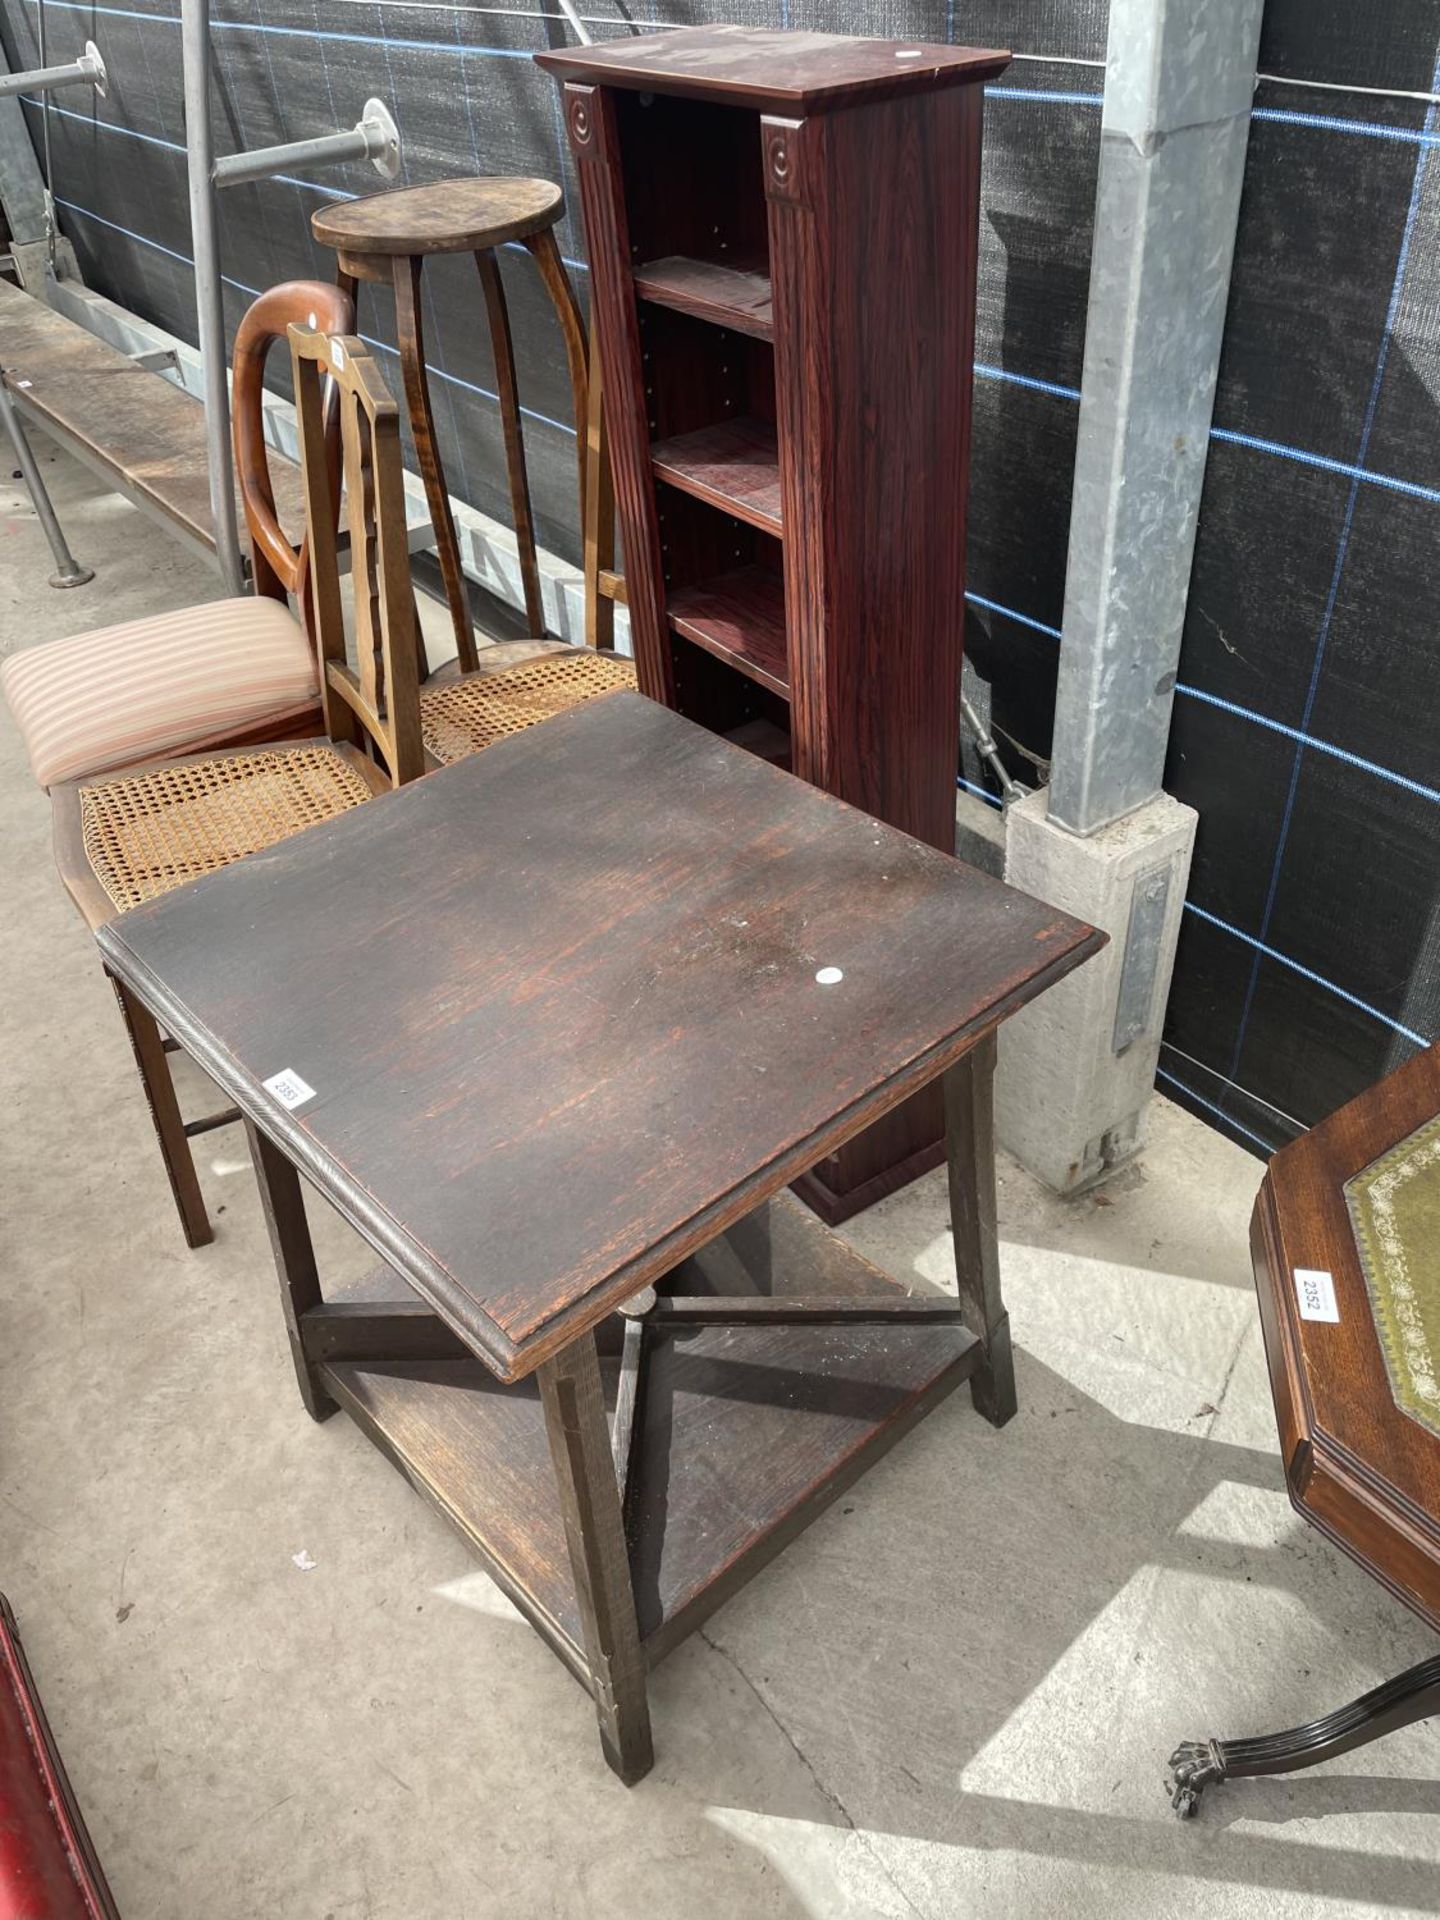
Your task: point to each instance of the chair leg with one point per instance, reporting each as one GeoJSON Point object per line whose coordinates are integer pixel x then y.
{"type": "Point", "coordinates": [410, 338]}
{"type": "Point", "coordinates": [509, 392]}
{"type": "Point", "coordinates": [154, 1069]}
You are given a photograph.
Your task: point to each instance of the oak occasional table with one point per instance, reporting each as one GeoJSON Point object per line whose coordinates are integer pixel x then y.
{"type": "Point", "coordinates": [1345, 1240]}
{"type": "Point", "coordinates": [553, 1029]}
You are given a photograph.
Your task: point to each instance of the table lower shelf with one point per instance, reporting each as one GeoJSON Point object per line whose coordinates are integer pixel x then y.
{"type": "Point", "coordinates": [745, 1434]}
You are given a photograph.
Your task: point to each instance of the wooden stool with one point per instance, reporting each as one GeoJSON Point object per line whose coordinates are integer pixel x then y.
{"type": "Point", "coordinates": [385, 238]}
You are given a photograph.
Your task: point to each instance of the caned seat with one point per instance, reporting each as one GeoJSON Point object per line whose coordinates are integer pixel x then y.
{"type": "Point", "coordinates": [463, 716]}
{"type": "Point", "coordinates": [149, 832]}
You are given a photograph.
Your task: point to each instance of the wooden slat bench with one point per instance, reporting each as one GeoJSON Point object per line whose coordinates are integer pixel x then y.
{"type": "Point", "coordinates": [143, 436]}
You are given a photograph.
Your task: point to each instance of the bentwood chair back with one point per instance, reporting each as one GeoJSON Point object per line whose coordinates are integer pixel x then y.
{"type": "Point", "coordinates": [279, 565]}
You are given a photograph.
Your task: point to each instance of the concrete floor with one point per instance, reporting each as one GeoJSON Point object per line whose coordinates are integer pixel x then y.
{"type": "Point", "coordinates": [954, 1696]}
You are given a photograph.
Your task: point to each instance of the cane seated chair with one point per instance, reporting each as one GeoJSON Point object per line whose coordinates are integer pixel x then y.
{"type": "Point", "coordinates": [516, 685]}
{"type": "Point", "coordinates": [204, 678]}
{"type": "Point", "coordinates": [123, 840]}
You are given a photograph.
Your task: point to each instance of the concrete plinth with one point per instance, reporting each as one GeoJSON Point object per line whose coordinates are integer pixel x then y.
{"type": "Point", "coordinates": [1077, 1067]}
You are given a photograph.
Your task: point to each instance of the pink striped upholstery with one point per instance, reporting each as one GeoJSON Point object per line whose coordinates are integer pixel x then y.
{"type": "Point", "coordinates": [156, 686]}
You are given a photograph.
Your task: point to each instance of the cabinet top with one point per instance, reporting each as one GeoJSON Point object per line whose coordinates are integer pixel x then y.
{"type": "Point", "coordinates": [771, 70]}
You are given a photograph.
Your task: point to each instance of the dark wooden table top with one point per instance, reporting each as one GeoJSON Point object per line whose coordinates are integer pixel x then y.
{"type": "Point", "coordinates": [1358, 1465]}
{"type": "Point", "coordinates": [559, 1008]}
{"type": "Point", "coordinates": [773, 70]}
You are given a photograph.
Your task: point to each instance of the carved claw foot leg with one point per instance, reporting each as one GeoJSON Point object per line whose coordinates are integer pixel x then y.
{"type": "Point", "coordinates": [1194, 1765]}
{"type": "Point", "coordinates": [1410, 1696]}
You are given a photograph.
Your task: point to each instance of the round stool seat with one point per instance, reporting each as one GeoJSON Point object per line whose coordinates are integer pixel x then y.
{"type": "Point", "coordinates": [447, 216]}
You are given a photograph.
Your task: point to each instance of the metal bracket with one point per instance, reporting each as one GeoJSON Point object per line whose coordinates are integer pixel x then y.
{"type": "Point", "coordinates": [988, 751]}
{"type": "Point", "coordinates": [1143, 938]}
{"type": "Point", "coordinates": [156, 359]}
{"type": "Point", "coordinates": [87, 71]}
{"type": "Point", "coordinates": [374, 137]}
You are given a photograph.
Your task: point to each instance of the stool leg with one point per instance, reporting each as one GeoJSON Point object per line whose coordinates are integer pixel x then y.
{"type": "Point", "coordinates": [599, 1559]}
{"type": "Point", "coordinates": [154, 1070]}
{"type": "Point", "coordinates": [567, 311]}
{"type": "Point", "coordinates": [514, 443]}
{"type": "Point", "coordinates": [410, 339]}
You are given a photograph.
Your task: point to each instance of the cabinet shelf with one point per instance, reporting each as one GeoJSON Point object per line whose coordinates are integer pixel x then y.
{"type": "Point", "coordinates": [782, 232]}
{"type": "Point", "coordinates": [728, 293]}
{"type": "Point", "coordinates": [733, 465]}
{"type": "Point", "coordinates": [740, 618]}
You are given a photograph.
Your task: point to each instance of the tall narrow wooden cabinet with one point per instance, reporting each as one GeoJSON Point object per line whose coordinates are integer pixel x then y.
{"type": "Point", "coordinates": [782, 231]}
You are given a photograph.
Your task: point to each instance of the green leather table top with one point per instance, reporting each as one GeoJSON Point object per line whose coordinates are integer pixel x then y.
{"type": "Point", "coordinates": [1394, 1208]}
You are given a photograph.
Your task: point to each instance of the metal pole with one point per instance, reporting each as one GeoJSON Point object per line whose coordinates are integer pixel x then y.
{"type": "Point", "coordinates": [68, 573]}
{"type": "Point", "coordinates": [375, 137]}
{"type": "Point", "coordinates": [988, 751]}
{"type": "Point", "coordinates": [1178, 92]}
{"type": "Point", "coordinates": [209, 289]}
{"type": "Point", "coordinates": [88, 70]}
{"type": "Point", "coordinates": [581, 31]}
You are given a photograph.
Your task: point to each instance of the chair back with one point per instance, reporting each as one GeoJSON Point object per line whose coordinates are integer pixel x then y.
{"type": "Point", "coordinates": [279, 567]}
{"type": "Point", "coordinates": [380, 696]}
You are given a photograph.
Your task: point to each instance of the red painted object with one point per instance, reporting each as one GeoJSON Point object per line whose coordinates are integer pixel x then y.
{"type": "Point", "coordinates": [48, 1868]}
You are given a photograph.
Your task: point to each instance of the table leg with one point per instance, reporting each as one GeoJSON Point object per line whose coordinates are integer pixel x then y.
{"type": "Point", "coordinates": [1410, 1696]}
{"type": "Point", "coordinates": [410, 338]}
{"type": "Point", "coordinates": [590, 1503]}
{"type": "Point", "coordinates": [970, 1152]}
{"type": "Point", "coordinates": [284, 1206]}
{"type": "Point", "coordinates": [174, 1142]}
{"type": "Point", "coordinates": [509, 392]}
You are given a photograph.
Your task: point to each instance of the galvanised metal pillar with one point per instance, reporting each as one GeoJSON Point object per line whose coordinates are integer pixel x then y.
{"type": "Point", "coordinates": [1180, 76]}
{"type": "Point", "coordinates": [1103, 841]}
{"type": "Point", "coordinates": [209, 288]}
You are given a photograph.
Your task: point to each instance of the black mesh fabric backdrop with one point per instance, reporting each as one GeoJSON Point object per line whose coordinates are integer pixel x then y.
{"type": "Point", "coordinates": [1307, 725]}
